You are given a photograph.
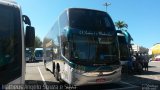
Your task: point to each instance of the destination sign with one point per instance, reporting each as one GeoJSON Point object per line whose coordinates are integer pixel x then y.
{"type": "Point", "coordinates": [95, 33]}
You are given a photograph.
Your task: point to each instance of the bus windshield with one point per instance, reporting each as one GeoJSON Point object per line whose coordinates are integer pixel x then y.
{"type": "Point", "coordinates": [94, 50]}
{"type": "Point", "coordinates": [38, 53]}
{"type": "Point", "coordinates": [10, 44]}
{"type": "Point", "coordinates": [90, 20]}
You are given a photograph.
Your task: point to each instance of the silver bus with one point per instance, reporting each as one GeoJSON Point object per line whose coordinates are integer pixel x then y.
{"type": "Point", "coordinates": [82, 48]}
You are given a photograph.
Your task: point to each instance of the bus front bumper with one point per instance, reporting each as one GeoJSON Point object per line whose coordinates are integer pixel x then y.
{"type": "Point", "coordinates": [91, 78]}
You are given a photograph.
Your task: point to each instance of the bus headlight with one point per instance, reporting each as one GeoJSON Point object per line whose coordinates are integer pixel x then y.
{"type": "Point", "coordinates": [119, 69]}
{"type": "Point", "coordinates": [79, 71]}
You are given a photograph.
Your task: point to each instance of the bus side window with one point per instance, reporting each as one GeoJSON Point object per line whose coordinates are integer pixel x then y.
{"type": "Point", "coordinates": [66, 49]}
{"type": "Point", "coordinates": [63, 48]}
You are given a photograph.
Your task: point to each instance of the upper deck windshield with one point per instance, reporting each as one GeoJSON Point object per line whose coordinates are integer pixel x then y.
{"type": "Point", "coordinates": [94, 50]}
{"type": "Point", "coordinates": [90, 20]}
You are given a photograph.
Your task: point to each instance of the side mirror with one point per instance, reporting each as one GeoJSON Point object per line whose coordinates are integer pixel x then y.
{"type": "Point", "coordinates": [30, 36]}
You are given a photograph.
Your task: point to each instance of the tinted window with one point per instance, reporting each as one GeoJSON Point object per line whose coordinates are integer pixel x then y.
{"type": "Point", "coordinates": [63, 26]}
{"type": "Point", "coordinates": [28, 53]}
{"type": "Point", "coordinates": [38, 53]}
{"type": "Point", "coordinates": [122, 40]}
{"type": "Point", "coordinates": [51, 43]}
{"type": "Point", "coordinates": [124, 49]}
{"type": "Point", "coordinates": [63, 21]}
{"type": "Point", "coordinates": [94, 50]}
{"type": "Point", "coordinates": [90, 20]}
{"type": "Point", "coordinates": [10, 44]}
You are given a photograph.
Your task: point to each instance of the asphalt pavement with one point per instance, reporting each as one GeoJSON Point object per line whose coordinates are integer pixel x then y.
{"type": "Point", "coordinates": [38, 78]}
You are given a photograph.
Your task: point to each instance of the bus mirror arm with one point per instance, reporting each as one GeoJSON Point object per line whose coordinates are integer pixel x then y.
{"type": "Point", "coordinates": [26, 20]}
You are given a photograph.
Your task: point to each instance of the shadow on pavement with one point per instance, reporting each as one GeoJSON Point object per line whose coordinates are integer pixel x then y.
{"type": "Point", "coordinates": [35, 61]}
{"type": "Point", "coordinates": [151, 66]}
{"type": "Point", "coordinates": [150, 73]}
{"type": "Point", "coordinates": [111, 86]}
{"type": "Point", "coordinates": [144, 83]}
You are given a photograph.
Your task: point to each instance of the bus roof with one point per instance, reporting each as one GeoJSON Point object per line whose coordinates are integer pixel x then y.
{"type": "Point", "coordinates": [11, 3]}
{"type": "Point", "coordinates": [88, 9]}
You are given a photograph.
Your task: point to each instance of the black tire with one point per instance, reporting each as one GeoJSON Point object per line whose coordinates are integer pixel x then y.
{"type": "Point", "coordinates": [45, 67]}
{"type": "Point", "coordinates": [53, 69]}
{"type": "Point", "coordinates": [60, 79]}
{"type": "Point", "coordinates": [56, 74]}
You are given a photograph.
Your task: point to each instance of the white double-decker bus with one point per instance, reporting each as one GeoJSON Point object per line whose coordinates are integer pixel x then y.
{"type": "Point", "coordinates": [82, 48]}
{"type": "Point", "coordinates": [13, 42]}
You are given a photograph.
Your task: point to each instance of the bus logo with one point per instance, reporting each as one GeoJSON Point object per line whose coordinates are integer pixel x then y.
{"type": "Point", "coordinates": [100, 74]}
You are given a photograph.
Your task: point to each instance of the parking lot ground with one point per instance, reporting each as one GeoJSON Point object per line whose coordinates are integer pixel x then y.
{"type": "Point", "coordinates": [37, 75]}
{"type": "Point", "coordinates": [148, 79]}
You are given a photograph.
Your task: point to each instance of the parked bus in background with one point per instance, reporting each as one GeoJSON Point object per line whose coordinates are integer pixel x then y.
{"type": "Point", "coordinates": [38, 54]}
{"type": "Point", "coordinates": [82, 48]}
{"type": "Point", "coordinates": [13, 42]}
{"type": "Point", "coordinates": [28, 55]}
{"type": "Point", "coordinates": [125, 54]}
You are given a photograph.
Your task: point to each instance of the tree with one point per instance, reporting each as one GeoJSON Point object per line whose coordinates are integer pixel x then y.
{"type": "Point", "coordinates": [38, 42]}
{"type": "Point", "coordinates": [121, 24]}
{"type": "Point", "coordinates": [143, 50]}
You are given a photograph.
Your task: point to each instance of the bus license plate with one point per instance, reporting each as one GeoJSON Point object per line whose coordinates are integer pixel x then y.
{"type": "Point", "coordinates": [101, 80]}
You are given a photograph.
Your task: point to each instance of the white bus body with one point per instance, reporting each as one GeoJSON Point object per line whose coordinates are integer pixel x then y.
{"type": "Point", "coordinates": [12, 45]}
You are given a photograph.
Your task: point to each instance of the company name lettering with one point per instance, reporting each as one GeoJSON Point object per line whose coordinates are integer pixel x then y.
{"type": "Point", "coordinates": [95, 33]}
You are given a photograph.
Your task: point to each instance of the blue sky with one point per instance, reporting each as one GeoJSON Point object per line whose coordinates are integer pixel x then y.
{"type": "Point", "coordinates": [142, 16]}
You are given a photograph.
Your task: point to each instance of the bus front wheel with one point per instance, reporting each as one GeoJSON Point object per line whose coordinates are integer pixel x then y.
{"type": "Point", "coordinates": [45, 66]}
{"type": "Point", "coordinates": [56, 74]}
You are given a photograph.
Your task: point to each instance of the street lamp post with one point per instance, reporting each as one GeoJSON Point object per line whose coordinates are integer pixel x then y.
{"type": "Point", "coordinates": [106, 5]}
